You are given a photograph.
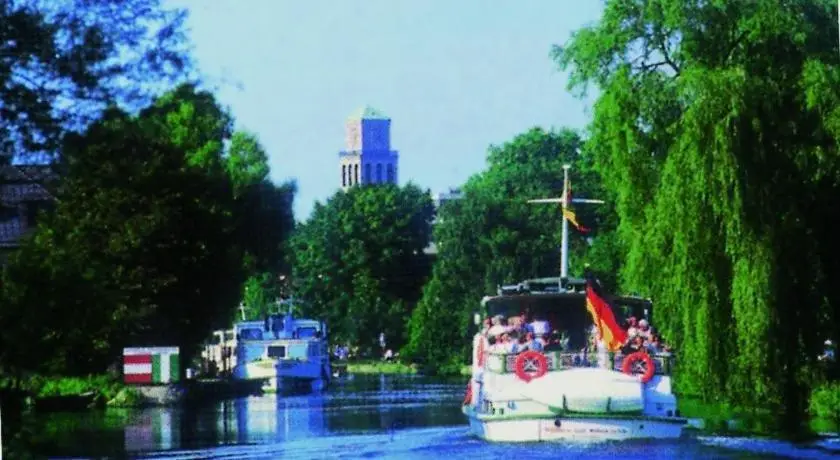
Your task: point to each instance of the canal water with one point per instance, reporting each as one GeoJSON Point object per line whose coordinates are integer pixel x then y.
{"type": "Point", "coordinates": [397, 417]}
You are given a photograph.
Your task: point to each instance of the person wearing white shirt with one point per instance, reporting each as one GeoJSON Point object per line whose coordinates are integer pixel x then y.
{"type": "Point", "coordinates": [497, 329]}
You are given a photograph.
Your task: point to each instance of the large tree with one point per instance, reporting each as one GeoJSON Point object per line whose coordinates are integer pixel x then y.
{"type": "Point", "coordinates": [265, 221]}
{"type": "Point", "coordinates": [144, 246]}
{"type": "Point", "coordinates": [359, 262]}
{"type": "Point", "coordinates": [492, 236]}
{"type": "Point", "coordinates": [715, 129]}
{"type": "Point", "coordinates": [63, 61]}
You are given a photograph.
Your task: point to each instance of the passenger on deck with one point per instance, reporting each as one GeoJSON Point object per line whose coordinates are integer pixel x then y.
{"type": "Point", "coordinates": [497, 328]}
{"type": "Point", "coordinates": [485, 326]}
{"type": "Point", "coordinates": [533, 343]}
{"type": "Point", "coordinates": [636, 343]}
{"type": "Point", "coordinates": [632, 328]}
{"type": "Point", "coordinates": [554, 342]}
{"type": "Point", "coordinates": [492, 344]}
{"type": "Point", "coordinates": [539, 326]}
{"type": "Point", "coordinates": [644, 329]}
{"type": "Point", "coordinates": [502, 344]}
{"type": "Point", "coordinates": [516, 342]}
{"type": "Point", "coordinates": [516, 323]}
{"type": "Point", "coordinates": [602, 357]}
{"type": "Point", "coordinates": [653, 345]}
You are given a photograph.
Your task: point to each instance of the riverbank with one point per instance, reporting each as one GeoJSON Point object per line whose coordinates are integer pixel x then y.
{"type": "Point", "coordinates": [58, 393]}
{"type": "Point", "coordinates": [722, 419]}
{"type": "Point", "coordinates": [373, 366]}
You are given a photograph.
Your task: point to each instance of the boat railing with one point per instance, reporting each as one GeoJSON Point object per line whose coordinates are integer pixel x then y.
{"type": "Point", "coordinates": [505, 363]}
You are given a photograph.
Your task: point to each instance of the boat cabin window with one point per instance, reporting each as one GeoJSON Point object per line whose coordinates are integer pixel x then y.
{"type": "Point", "coordinates": [277, 351]}
{"type": "Point", "coordinates": [306, 332]}
{"type": "Point", "coordinates": [250, 333]}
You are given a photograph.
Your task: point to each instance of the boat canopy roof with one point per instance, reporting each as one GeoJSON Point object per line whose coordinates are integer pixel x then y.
{"type": "Point", "coordinates": [543, 296]}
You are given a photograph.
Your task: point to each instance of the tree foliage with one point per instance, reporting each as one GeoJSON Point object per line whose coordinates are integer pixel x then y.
{"type": "Point", "coordinates": [265, 221]}
{"type": "Point", "coordinates": [359, 262]}
{"type": "Point", "coordinates": [715, 130]}
{"type": "Point", "coordinates": [63, 61]}
{"type": "Point", "coordinates": [145, 246]}
{"type": "Point", "coordinates": [492, 236]}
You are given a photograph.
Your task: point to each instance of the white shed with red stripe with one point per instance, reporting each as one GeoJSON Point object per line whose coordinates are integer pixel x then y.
{"type": "Point", "coordinates": [151, 365]}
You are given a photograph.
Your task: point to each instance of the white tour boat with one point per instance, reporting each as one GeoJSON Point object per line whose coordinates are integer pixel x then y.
{"type": "Point", "coordinates": [284, 351]}
{"type": "Point", "coordinates": [570, 396]}
{"type": "Point", "coordinates": [566, 395]}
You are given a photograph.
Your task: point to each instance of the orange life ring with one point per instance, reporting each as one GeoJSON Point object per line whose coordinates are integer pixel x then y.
{"type": "Point", "coordinates": [530, 365]}
{"type": "Point", "coordinates": [627, 366]}
{"type": "Point", "coordinates": [468, 396]}
{"type": "Point", "coordinates": [481, 352]}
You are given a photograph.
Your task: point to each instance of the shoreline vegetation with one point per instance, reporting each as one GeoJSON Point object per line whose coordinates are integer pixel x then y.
{"type": "Point", "coordinates": [373, 366]}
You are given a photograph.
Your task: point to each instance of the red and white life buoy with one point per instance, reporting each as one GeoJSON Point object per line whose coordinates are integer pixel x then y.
{"type": "Point", "coordinates": [480, 359]}
{"type": "Point", "coordinates": [530, 365]}
{"type": "Point", "coordinates": [634, 361]}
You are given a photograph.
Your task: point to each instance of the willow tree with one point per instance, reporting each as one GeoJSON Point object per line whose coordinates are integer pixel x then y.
{"type": "Point", "coordinates": [715, 129]}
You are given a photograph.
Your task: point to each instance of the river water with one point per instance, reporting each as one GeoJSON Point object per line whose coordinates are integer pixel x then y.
{"type": "Point", "coordinates": [358, 417]}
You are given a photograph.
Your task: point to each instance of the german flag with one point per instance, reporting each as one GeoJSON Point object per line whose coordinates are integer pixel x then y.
{"type": "Point", "coordinates": [569, 213]}
{"type": "Point", "coordinates": [602, 314]}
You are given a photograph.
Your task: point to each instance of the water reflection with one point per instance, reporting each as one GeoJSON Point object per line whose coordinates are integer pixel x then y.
{"type": "Point", "coordinates": [270, 419]}
{"type": "Point", "coordinates": [383, 417]}
{"type": "Point", "coordinates": [152, 430]}
{"type": "Point", "coordinates": [352, 405]}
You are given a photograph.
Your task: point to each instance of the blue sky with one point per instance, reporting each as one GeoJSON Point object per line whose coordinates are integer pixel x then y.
{"type": "Point", "coordinates": [454, 76]}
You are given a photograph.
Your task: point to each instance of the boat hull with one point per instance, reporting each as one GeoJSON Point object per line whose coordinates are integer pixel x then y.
{"type": "Point", "coordinates": [577, 428]}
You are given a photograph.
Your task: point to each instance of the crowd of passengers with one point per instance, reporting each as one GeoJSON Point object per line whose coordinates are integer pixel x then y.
{"type": "Point", "coordinates": [520, 333]}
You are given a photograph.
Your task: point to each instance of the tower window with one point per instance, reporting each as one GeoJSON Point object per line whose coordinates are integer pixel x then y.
{"type": "Point", "coordinates": [391, 178]}
{"type": "Point", "coordinates": [344, 175]}
{"type": "Point", "coordinates": [379, 173]}
{"type": "Point", "coordinates": [356, 174]}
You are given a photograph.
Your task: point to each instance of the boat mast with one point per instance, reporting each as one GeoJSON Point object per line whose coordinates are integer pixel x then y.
{"type": "Point", "coordinates": [565, 199]}
{"type": "Point", "coordinates": [564, 238]}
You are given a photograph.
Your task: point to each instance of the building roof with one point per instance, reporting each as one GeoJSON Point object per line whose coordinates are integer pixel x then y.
{"type": "Point", "coordinates": [21, 184]}
{"type": "Point", "coordinates": [368, 113]}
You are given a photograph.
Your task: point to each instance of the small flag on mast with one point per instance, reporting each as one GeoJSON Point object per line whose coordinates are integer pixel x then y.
{"type": "Point", "coordinates": [568, 212]}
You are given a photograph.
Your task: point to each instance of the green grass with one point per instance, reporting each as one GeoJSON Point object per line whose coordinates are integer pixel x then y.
{"type": "Point", "coordinates": [372, 366]}
{"type": "Point", "coordinates": [105, 387]}
{"type": "Point", "coordinates": [380, 367]}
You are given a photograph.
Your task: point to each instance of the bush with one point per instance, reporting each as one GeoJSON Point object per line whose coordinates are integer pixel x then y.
{"type": "Point", "coordinates": [825, 402]}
